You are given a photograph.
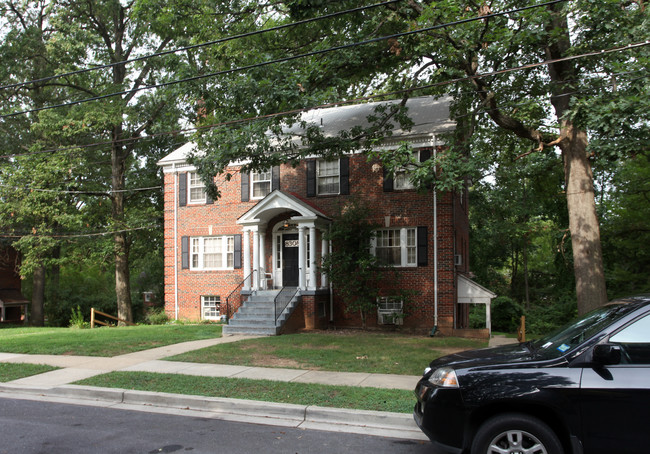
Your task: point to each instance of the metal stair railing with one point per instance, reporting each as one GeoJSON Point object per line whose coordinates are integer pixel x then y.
{"type": "Point", "coordinates": [233, 292]}
{"type": "Point", "coordinates": [282, 300]}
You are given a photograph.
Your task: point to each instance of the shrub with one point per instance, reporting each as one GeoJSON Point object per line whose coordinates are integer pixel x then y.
{"type": "Point", "coordinates": [157, 317]}
{"type": "Point", "coordinates": [506, 314]}
{"type": "Point", "coordinates": [77, 319]}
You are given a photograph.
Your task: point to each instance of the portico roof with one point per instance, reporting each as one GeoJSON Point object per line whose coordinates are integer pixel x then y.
{"type": "Point", "coordinates": [278, 202]}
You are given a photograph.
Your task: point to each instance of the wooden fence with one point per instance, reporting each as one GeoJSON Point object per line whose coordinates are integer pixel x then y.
{"type": "Point", "coordinates": [93, 318]}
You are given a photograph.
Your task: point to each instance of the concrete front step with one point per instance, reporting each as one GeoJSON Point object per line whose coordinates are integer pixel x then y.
{"type": "Point", "coordinates": [252, 330]}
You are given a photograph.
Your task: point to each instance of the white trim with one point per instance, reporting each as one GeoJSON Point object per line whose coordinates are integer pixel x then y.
{"type": "Point", "coordinates": [199, 252]}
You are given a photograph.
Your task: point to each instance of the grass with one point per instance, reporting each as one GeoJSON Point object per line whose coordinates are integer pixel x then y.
{"type": "Point", "coordinates": [14, 371]}
{"type": "Point", "coordinates": [400, 401]}
{"type": "Point", "coordinates": [100, 341]}
{"type": "Point", "coordinates": [351, 352]}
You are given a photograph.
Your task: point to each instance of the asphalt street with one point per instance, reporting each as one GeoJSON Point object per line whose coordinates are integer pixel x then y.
{"type": "Point", "coordinates": [34, 427]}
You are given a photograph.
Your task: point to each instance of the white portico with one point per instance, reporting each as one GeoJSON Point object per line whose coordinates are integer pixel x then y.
{"type": "Point", "coordinates": [292, 232]}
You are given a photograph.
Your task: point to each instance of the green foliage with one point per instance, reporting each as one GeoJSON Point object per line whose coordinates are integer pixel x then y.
{"type": "Point", "coordinates": [351, 267]}
{"type": "Point", "coordinates": [506, 314]}
{"type": "Point", "coordinates": [77, 319]}
{"type": "Point", "coordinates": [157, 317]}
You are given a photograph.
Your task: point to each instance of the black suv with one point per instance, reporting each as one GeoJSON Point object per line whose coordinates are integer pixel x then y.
{"type": "Point", "coordinates": [583, 389]}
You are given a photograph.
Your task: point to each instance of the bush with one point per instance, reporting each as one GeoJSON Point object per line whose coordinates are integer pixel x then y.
{"type": "Point", "coordinates": [506, 314]}
{"type": "Point", "coordinates": [157, 317]}
{"type": "Point", "coordinates": [77, 319]}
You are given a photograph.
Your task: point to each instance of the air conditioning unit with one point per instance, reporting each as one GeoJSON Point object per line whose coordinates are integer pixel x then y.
{"type": "Point", "coordinates": [458, 259]}
{"type": "Point", "coordinates": [390, 318]}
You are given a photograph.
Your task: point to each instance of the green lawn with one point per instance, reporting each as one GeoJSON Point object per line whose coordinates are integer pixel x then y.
{"type": "Point", "coordinates": [270, 391]}
{"type": "Point", "coordinates": [100, 341]}
{"type": "Point", "coordinates": [14, 371]}
{"type": "Point", "coordinates": [355, 351]}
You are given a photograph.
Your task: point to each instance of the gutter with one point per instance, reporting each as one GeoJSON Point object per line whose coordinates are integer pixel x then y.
{"type": "Point", "coordinates": [435, 249]}
{"type": "Point", "coordinates": [175, 242]}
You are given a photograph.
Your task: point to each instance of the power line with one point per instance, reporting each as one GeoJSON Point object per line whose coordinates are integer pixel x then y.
{"type": "Point", "coordinates": [197, 46]}
{"type": "Point", "coordinates": [63, 191]}
{"type": "Point", "coordinates": [279, 60]}
{"type": "Point", "coordinates": [78, 235]}
{"type": "Point", "coordinates": [340, 103]}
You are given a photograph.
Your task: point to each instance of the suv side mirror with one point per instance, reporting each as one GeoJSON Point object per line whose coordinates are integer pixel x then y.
{"type": "Point", "coordinates": [607, 354]}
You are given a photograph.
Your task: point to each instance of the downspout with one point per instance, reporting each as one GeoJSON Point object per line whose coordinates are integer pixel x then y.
{"type": "Point", "coordinates": [329, 282]}
{"type": "Point", "coordinates": [176, 200]}
{"type": "Point", "coordinates": [435, 249]}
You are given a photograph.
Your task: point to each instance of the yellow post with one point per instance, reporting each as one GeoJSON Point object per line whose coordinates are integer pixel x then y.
{"type": "Point", "coordinates": [92, 317]}
{"type": "Point", "coordinates": [521, 335]}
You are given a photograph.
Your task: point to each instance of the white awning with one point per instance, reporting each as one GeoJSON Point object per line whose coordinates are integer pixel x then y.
{"type": "Point", "coordinates": [469, 292]}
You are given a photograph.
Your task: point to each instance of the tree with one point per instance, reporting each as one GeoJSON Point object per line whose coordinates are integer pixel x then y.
{"type": "Point", "coordinates": [351, 266]}
{"type": "Point", "coordinates": [522, 73]}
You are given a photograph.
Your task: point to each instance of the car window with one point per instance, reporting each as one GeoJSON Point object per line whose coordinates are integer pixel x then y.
{"type": "Point", "coordinates": [634, 340]}
{"type": "Point", "coordinates": [572, 335]}
{"type": "Point", "coordinates": [636, 333]}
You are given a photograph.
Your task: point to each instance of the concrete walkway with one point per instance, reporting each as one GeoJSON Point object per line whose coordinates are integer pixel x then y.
{"type": "Point", "coordinates": [56, 386]}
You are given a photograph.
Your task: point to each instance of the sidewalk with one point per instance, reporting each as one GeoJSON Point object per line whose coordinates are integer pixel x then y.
{"type": "Point", "coordinates": [55, 386]}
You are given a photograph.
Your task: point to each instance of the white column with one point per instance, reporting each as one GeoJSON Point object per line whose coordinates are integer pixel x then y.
{"type": "Point", "coordinates": [302, 258]}
{"type": "Point", "coordinates": [247, 259]}
{"type": "Point", "coordinates": [312, 257]}
{"type": "Point", "coordinates": [256, 259]}
{"type": "Point", "coordinates": [324, 249]}
{"type": "Point", "coordinates": [262, 262]}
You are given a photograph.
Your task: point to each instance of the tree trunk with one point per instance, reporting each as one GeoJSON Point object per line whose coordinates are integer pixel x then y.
{"type": "Point", "coordinates": [581, 204]}
{"type": "Point", "coordinates": [38, 297]}
{"type": "Point", "coordinates": [583, 222]}
{"type": "Point", "coordinates": [122, 277]}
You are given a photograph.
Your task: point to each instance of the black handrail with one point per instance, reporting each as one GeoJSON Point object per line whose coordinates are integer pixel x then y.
{"type": "Point", "coordinates": [231, 293]}
{"type": "Point", "coordinates": [284, 291]}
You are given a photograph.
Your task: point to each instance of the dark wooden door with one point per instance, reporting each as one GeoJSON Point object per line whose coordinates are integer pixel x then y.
{"type": "Point", "coordinates": [290, 266]}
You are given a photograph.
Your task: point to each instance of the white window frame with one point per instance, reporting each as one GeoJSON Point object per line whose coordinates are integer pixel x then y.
{"type": "Point", "coordinates": [260, 178]}
{"type": "Point", "coordinates": [195, 188]}
{"type": "Point", "coordinates": [201, 248]}
{"type": "Point", "coordinates": [390, 306]}
{"type": "Point", "coordinates": [402, 177]}
{"type": "Point", "coordinates": [406, 242]}
{"type": "Point", "coordinates": [211, 303]}
{"type": "Point", "coordinates": [322, 176]}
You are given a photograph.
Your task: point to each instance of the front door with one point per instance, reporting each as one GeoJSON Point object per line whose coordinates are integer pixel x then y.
{"type": "Point", "coordinates": [290, 260]}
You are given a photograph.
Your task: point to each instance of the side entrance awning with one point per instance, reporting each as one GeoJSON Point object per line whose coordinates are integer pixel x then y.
{"type": "Point", "coordinates": [469, 292]}
{"type": "Point", "coordinates": [13, 306]}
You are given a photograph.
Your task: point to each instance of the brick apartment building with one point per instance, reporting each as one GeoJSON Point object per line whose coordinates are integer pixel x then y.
{"type": "Point", "coordinates": [229, 258]}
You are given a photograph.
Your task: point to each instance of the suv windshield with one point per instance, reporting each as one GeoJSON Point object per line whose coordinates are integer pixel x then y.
{"type": "Point", "coordinates": [575, 333]}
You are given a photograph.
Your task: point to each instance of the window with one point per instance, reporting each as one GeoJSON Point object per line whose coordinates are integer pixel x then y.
{"type": "Point", "coordinates": [390, 310]}
{"type": "Point", "coordinates": [260, 184]}
{"type": "Point", "coordinates": [396, 247]}
{"type": "Point", "coordinates": [327, 173]}
{"type": "Point", "coordinates": [212, 253]}
{"type": "Point", "coordinates": [210, 307]}
{"type": "Point", "coordinates": [403, 180]}
{"type": "Point", "coordinates": [197, 188]}
{"type": "Point", "coordinates": [634, 340]}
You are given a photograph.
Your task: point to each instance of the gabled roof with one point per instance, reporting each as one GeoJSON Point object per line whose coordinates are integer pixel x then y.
{"type": "Point", "coordinates": [278, 202]}
{"type": "Point", "coordinates": [430, 117]}
{"type": "Point", "coordinates": [471, 292]}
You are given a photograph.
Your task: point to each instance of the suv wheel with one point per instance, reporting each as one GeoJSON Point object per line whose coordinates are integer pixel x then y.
{"type": "Point", "coordinates": [515, 433]}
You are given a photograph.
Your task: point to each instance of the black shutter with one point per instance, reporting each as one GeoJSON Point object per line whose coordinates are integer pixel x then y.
{"type": "Point", "coordinates": [245, 187]}
{"type": "Point", "coordinates": [344, 167]}
{"type": "Point", "coordinates": [182, 189]}
{"type": "Point", "coordinates": [425, 154]}
{"type": "Point", "coordinates": [311, 178]}
{"type": "Point", "coordinates": [237, 252]}
{"type": "Point", "coordinates": [275, 178]}
{"type": "Point", "coordinates": [388, 181]}
{"type": "Point", "coordinates": [422, 246]}
{"type": "Point", "coordinates": [185, 252]}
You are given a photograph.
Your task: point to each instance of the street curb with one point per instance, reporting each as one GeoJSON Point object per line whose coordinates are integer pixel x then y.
{"type": "Point", "coordinates": [399, 425]}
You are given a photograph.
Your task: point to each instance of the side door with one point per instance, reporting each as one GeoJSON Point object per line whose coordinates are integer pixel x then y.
{"type": "Point", "coordinates": [615, 400]}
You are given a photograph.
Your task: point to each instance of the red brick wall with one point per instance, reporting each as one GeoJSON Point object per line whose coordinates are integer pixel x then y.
{"type": "Point", "coordinates": [404, 208]}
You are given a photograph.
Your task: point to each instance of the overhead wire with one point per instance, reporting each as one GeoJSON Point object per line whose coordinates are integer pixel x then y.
{"type": "Point", "coordinates": [338, 103]}
{"type": "Point", "coordinates": [198, 46]}
{"type": "Point", "coordinates": [280, 60]}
